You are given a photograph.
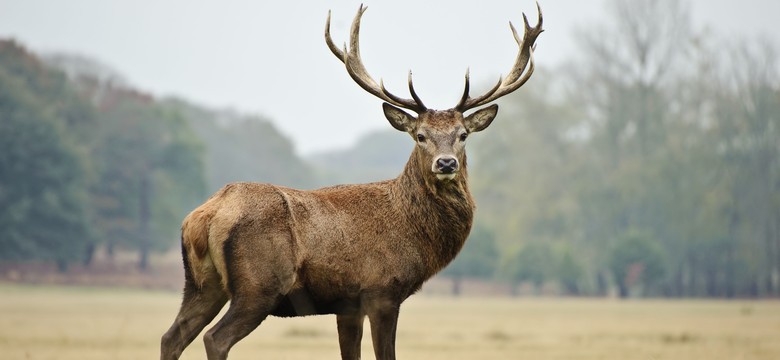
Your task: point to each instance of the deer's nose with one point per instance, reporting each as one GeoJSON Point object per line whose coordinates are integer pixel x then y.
{"type": "Point", "coordinates": [447, 165]}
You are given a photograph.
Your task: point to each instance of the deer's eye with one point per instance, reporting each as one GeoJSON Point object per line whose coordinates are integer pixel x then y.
{"type": "Point", "coordinates": [463, 136]}
{"type": "Point", "coordinates": [420, 137]}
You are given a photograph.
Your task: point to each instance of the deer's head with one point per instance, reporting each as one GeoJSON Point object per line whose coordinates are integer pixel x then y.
{"type": "Point", "coordinates": [440, 134]}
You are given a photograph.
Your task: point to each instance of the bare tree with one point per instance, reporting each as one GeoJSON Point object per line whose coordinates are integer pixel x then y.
{"type": "Point", "coordinates": [624, 66]}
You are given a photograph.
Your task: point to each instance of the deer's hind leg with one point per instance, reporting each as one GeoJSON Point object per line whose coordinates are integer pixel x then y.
{"type": "Point", "coordinates": [199, 306]}
{"type": "Point", "coordinates": [261, 271]}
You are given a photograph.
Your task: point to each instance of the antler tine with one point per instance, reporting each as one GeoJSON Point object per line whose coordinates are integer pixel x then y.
{"type": "Point", "coordinates": [414, 93]}
{"type": "Point", "coordinates": [465, 96]}
{"type": "Point", "coordinates": [357, 71]}
{"type": "Point", "coordinates": [328, 40]}
{"type": "Point", "coordinates": [402, 100]}
{"type": "Point", "coordinates": [521, 71]}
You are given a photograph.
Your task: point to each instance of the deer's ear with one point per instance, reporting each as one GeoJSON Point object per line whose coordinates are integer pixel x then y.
{"type": "Point", "coordinates": [481, 119]}
{"type": "Point", "coordinates": [400, 119]}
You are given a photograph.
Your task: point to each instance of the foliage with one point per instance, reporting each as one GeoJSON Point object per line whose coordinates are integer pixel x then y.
{"type": "Point", "coordinates": [43, 170]}
{"type": "Point", "coordinates": [244, 148]}
{"type": "Point", "coordinates": [534, 263]}
{"type": "Point", "coordinates": [656, 146]}
{"type": "Point", "coordinates": [89, 161]}
{"type": "Point", "coordinates": [639, 137]}
{"type": "Point", "coordinates": [569, 271]}
{"type": "Point", "coordinates": [150, 171]}
{"type": "Point", "coordinates": [376, 156]}
{"type": "Point", "coordinates": [636, 262]}
{"type": "Point", "coordinates": [667, 138]}
{"type": "Point", "coordinates": [477, 259]}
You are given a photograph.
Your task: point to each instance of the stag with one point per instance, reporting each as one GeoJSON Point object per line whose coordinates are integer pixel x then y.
{"type": "Point", "coordinates": [355, 251]}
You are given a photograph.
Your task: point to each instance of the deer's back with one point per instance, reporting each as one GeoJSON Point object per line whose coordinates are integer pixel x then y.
{"type": "Point", "coordinates": [345, 242]}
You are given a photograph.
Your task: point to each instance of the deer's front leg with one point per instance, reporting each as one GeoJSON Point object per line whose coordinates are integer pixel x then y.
{"type": "Point", "coordinates": [384, 320]}
{"type": "Point", "coordinates": [350, 329]}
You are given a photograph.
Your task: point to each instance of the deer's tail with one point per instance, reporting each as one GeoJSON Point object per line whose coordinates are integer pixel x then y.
{"type": "Point", "coordinates": [195, 246]}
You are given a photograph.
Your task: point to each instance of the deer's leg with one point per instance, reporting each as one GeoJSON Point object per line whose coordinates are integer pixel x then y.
{"type": "Point", "coordinates": [243, 316]}
{"type": "Point", "coordinates": [260, 271]}
{"type": "Point", "coordinates": [350, 329]}
{"type": "Point", "coordinates": [199, 306]}
{"type": "Point", "coordinates": [384, 320]}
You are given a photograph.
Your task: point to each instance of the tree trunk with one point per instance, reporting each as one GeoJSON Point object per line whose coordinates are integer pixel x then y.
{"type": "Point", "coordinates": [144, 213]}
{"type": "Point", "coordinates": [89, 254]}
{"type": "Point", "coordinates": [776, 268]}
{"type": "Point", "coordinates": [111, 250]}
{"type": "Point", "coordinates": [622, 289]}
{"type": "Point", "coordinates": [731, 286]}
{"type": "Point", "coordinates": [602, 287]}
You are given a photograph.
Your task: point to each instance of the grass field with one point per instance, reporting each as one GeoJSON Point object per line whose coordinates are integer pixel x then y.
{"type": "Point", "coordinates": [100, 323]}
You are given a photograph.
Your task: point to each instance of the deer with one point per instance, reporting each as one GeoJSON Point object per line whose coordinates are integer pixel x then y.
{"type": "Point", "coordinates": [353, 251]}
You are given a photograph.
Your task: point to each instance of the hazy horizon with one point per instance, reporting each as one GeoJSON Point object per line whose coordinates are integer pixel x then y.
{"type": "Point", "coordinates": [252, 57]}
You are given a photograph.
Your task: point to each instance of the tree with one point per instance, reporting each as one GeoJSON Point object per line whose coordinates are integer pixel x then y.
{"type": "Point", "coordinates": [243, 148]}
{"type": "Point", "coordinates": [569, 272]}
{"type": "Point", "coordinates": [376, 156]}
{"type": "Point", "coordinates": [636, 262]}
{"type": "Point", "coordinates": [623, 71]}
{"type": "Point", "coordinates": [745, 133]}
{"type": "Point", "coordinates": [646, 172]}
{"type": "Point", "coordinates": [151, 171]}
{"type": "Point", "coordinates": [534, 263]}
{"type": "Point", "coordinates": [43, 169]}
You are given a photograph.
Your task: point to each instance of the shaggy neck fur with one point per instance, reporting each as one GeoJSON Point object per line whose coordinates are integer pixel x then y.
{"type": "Point", "coordinates": [440, 212]}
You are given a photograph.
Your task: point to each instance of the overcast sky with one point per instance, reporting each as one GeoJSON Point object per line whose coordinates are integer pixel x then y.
{"type": "Point", "coordinates": [270, 58]}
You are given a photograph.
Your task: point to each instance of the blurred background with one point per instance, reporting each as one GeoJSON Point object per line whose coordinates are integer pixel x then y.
{"type": "Point", "coordinates": [641, 160]}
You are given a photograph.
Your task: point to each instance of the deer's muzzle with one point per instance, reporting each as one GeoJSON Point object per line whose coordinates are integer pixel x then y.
{"type": "Point", "coordinates": [445, 167]}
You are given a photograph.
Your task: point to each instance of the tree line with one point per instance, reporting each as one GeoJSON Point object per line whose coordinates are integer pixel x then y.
{"type": "Point", "coordinates": [89, 162]}
{"type": "Point", "coordinates": [649, 166]}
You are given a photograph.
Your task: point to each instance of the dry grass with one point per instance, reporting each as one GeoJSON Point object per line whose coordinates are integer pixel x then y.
{"type": "Point", "coordinates": [88, 323]}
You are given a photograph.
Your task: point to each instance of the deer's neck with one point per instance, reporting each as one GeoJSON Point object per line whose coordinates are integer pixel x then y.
{"type": "Point", "coordinates": [439, 213]}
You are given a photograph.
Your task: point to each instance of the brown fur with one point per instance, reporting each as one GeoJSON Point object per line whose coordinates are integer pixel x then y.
{"type": "Point", "coordinates": [349, 250]}
{"type": "Point", "coordinates": [331, 252]}
{"type": "Point", "coordinates": [355, 251]}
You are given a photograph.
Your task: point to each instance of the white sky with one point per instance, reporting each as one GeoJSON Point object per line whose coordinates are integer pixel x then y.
{"type": "Point", "coordinates": [270, 58]}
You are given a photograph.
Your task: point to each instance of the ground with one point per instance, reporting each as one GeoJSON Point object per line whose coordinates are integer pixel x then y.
{"type": "Point", "coordinates": [50, 322]}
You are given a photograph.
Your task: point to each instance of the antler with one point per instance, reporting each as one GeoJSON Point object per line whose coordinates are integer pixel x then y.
{"type": "Point", "coordinates": [356, 70]}
{"type": "Point", "coordinates": [516, 78]}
